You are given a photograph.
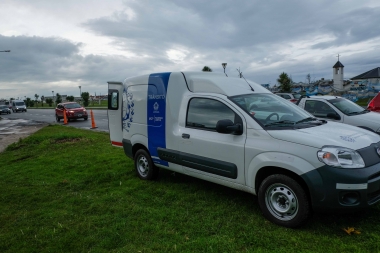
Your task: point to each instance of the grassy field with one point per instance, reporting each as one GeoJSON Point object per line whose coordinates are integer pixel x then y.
{"type": "Point", "coordinates": [67, 190]}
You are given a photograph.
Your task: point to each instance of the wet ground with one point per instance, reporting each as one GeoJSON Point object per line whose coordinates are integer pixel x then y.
{"type": "Point", "coordinates": [11, 130]}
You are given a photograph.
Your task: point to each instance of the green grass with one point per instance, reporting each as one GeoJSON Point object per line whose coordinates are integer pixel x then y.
{"type": "Point", "coordinates": [68, 190]}
{"type": "Point", "coordinates": [363, 101]}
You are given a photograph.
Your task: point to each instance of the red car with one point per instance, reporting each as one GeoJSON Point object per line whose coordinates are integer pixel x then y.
{"type": "Point", "coordinates": [73, 111]}
{"type": "Point", "coordinates": [374, 104]}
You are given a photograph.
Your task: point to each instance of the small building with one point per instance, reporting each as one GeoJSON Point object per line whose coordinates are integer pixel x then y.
{"type": "Point", "coordinates": [371, 79]}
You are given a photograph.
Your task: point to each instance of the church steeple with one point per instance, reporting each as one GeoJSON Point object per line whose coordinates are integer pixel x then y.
{"type": "Point", "coordinates": [338, 75]}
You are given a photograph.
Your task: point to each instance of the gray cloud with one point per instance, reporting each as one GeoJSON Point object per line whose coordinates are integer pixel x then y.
{"type": "Point", "coordinates": [256, 36]}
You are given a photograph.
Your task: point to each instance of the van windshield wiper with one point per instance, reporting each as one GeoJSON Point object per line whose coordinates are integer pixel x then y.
{"type": "Point", "coordinates": [281, 123]}
{"type": "Point", "coordinates": [306, 120]}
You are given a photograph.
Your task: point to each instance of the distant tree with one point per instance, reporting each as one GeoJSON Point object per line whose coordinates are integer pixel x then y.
{"type": "Point", "coordinates": [42, 101]}
{"type": "Point", "coordinates": [85, 96]}
{"type": "Point", "coordinates": [70, 98]}
{"type": "Point", "coordinates": [285, 82]}
{"type": "Point", "coordinates": [31, 103]}
{"type": "Point", "coordinates": [58, 99]}
{"type": "Point", "coordinates": [36, 96]}
{"type": "Point", "coordinates": [206, 69]}
{"type": "Point", "coordinates": [49, 101]}
{"type": "Point", "coordinates": [27, 102]}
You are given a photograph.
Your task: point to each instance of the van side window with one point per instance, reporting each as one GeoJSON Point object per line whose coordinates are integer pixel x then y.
{"type": "Point", "coordinates": [113, 100]}
{"type": "Point", "coordinates": [204, 113]}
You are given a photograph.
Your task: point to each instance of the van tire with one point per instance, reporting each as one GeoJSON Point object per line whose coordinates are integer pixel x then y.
{"type": "Point", "coordinates": [283, 201]}
{"type": "Point", "coordinates": [144, 166]}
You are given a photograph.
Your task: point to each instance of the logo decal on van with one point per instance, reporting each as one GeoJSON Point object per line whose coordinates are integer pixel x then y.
{"type": "Point", "coordinates": [347, 138]}
{"type": "Point", "coordinates": [156, 106]}
{"type": "Point", "coordinates": [128, 109]}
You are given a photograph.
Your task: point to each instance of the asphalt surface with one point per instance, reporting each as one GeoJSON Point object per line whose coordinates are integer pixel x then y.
{"type": "Point", "coordinates": [33, 116]}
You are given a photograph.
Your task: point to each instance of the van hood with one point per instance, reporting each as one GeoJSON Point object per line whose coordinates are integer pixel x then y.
{"type": "Point", "coordinates": [331, 133]}
{"type": "Point", "coordinates": [369, 119]}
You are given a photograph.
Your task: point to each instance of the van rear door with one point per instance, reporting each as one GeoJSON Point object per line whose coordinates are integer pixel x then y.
{"type": "Point", "coordinates": [115, 95]}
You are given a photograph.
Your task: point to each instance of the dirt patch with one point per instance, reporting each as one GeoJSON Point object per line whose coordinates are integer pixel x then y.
{"type": "Point", "coordinates": [11, 132]}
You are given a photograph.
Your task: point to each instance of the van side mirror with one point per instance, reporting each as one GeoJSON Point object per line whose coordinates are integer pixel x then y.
{"type": "Point", "coordinates": [333, 115]}
{"type": "Point", "coordinates": [226, 126]}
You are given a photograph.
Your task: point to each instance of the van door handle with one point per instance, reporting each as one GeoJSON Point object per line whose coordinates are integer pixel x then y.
{"type": "Point", "coordinates": [186, 136]}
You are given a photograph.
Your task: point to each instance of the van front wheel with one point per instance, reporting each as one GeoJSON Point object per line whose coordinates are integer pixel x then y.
{"type": "Point", "coordinates": [283, 201]}
{"type": "Point", "coordinates": [144, 166]}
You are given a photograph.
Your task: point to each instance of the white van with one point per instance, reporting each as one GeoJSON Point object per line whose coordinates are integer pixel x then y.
{"type": "Point", "coordinates": [238, 134]}
{"type": "Point", "coordinates": [18, 105]}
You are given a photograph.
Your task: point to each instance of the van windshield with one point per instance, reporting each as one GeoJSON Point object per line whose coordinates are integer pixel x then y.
{"type": "Point", "coordinates": [273, 112]}
{"type": "Point", "coordinates": [19, 103]}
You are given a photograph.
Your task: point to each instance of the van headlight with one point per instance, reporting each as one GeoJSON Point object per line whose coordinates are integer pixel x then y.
{"type": "Point", "coordinates": [340, 157]}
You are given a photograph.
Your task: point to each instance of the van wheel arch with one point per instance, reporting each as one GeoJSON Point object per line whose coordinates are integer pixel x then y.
{"type": "Point", "coordinates": [265, 172]}
{"type": "Point", "coordinates": [136, 147]}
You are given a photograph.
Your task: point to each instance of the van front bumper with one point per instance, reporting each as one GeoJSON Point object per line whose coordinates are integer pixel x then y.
{"type": "Point", "coordinates": [335, 189]}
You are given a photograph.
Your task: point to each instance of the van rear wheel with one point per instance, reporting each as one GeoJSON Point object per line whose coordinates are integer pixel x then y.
{"type": "Point", "coordinates": [283, 201]}
{"type": "Point", "coordinates": [144, 166]}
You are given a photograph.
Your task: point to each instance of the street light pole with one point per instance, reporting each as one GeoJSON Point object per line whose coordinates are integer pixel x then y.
{"type": "Point", "coordinates": [53, 96]}
{"type": "Point", "coordinates": [224, 68]}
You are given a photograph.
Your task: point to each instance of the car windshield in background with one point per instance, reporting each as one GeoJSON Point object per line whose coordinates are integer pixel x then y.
{"type": "Point", "coordinates": [73, 106]}
{"type": "Point", "coordinates": [347, 107]}
{"type": "Point", "coordinates": [273, 112]}
{"type": "Point", "coordinates": [3, 106]}
{"type": "Point", "coordinates": [297, 96]}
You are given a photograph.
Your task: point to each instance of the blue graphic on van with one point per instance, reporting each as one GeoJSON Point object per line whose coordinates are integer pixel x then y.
{"type": "Point", "coordinates": [128, 109]}
{"type": "Point", "coordinates": [156, 115]}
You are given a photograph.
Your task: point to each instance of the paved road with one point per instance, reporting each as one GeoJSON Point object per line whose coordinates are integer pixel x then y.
{"type": "Point", "coordinates": [48, 116]}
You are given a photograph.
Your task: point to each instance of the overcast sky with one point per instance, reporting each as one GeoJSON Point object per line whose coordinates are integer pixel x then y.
{"type": "Point", "coordinates": [60, 45]}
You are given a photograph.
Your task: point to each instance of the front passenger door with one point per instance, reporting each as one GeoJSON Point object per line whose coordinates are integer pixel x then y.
{"type": "Point", "coordinates": [206, 152]}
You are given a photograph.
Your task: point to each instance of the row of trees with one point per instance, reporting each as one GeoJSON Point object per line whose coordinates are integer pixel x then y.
{"type": "Point", "coordinates": [58, 99]}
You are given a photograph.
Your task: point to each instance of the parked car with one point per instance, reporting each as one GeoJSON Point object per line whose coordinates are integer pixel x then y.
{"type": "Point", "coordinates": [4, 109]}
{"type": "Point", "coordinates": [73, 111]}
{"type": "Point", "coordinates": [339, 109]}
{"type": "Point", "coordinates": [374, 104]}
{"type": "Point", "coordinates": [292, 97]}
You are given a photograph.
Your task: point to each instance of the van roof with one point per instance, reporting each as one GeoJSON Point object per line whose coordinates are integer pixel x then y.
{"type": "Point", "coordinates": [208, 82]}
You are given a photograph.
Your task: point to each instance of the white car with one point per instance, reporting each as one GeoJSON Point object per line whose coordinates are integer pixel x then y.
{"type": "Point", "coordinates": [292, 97]}
{"type": "Point", "coordinates": [339, 109]}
